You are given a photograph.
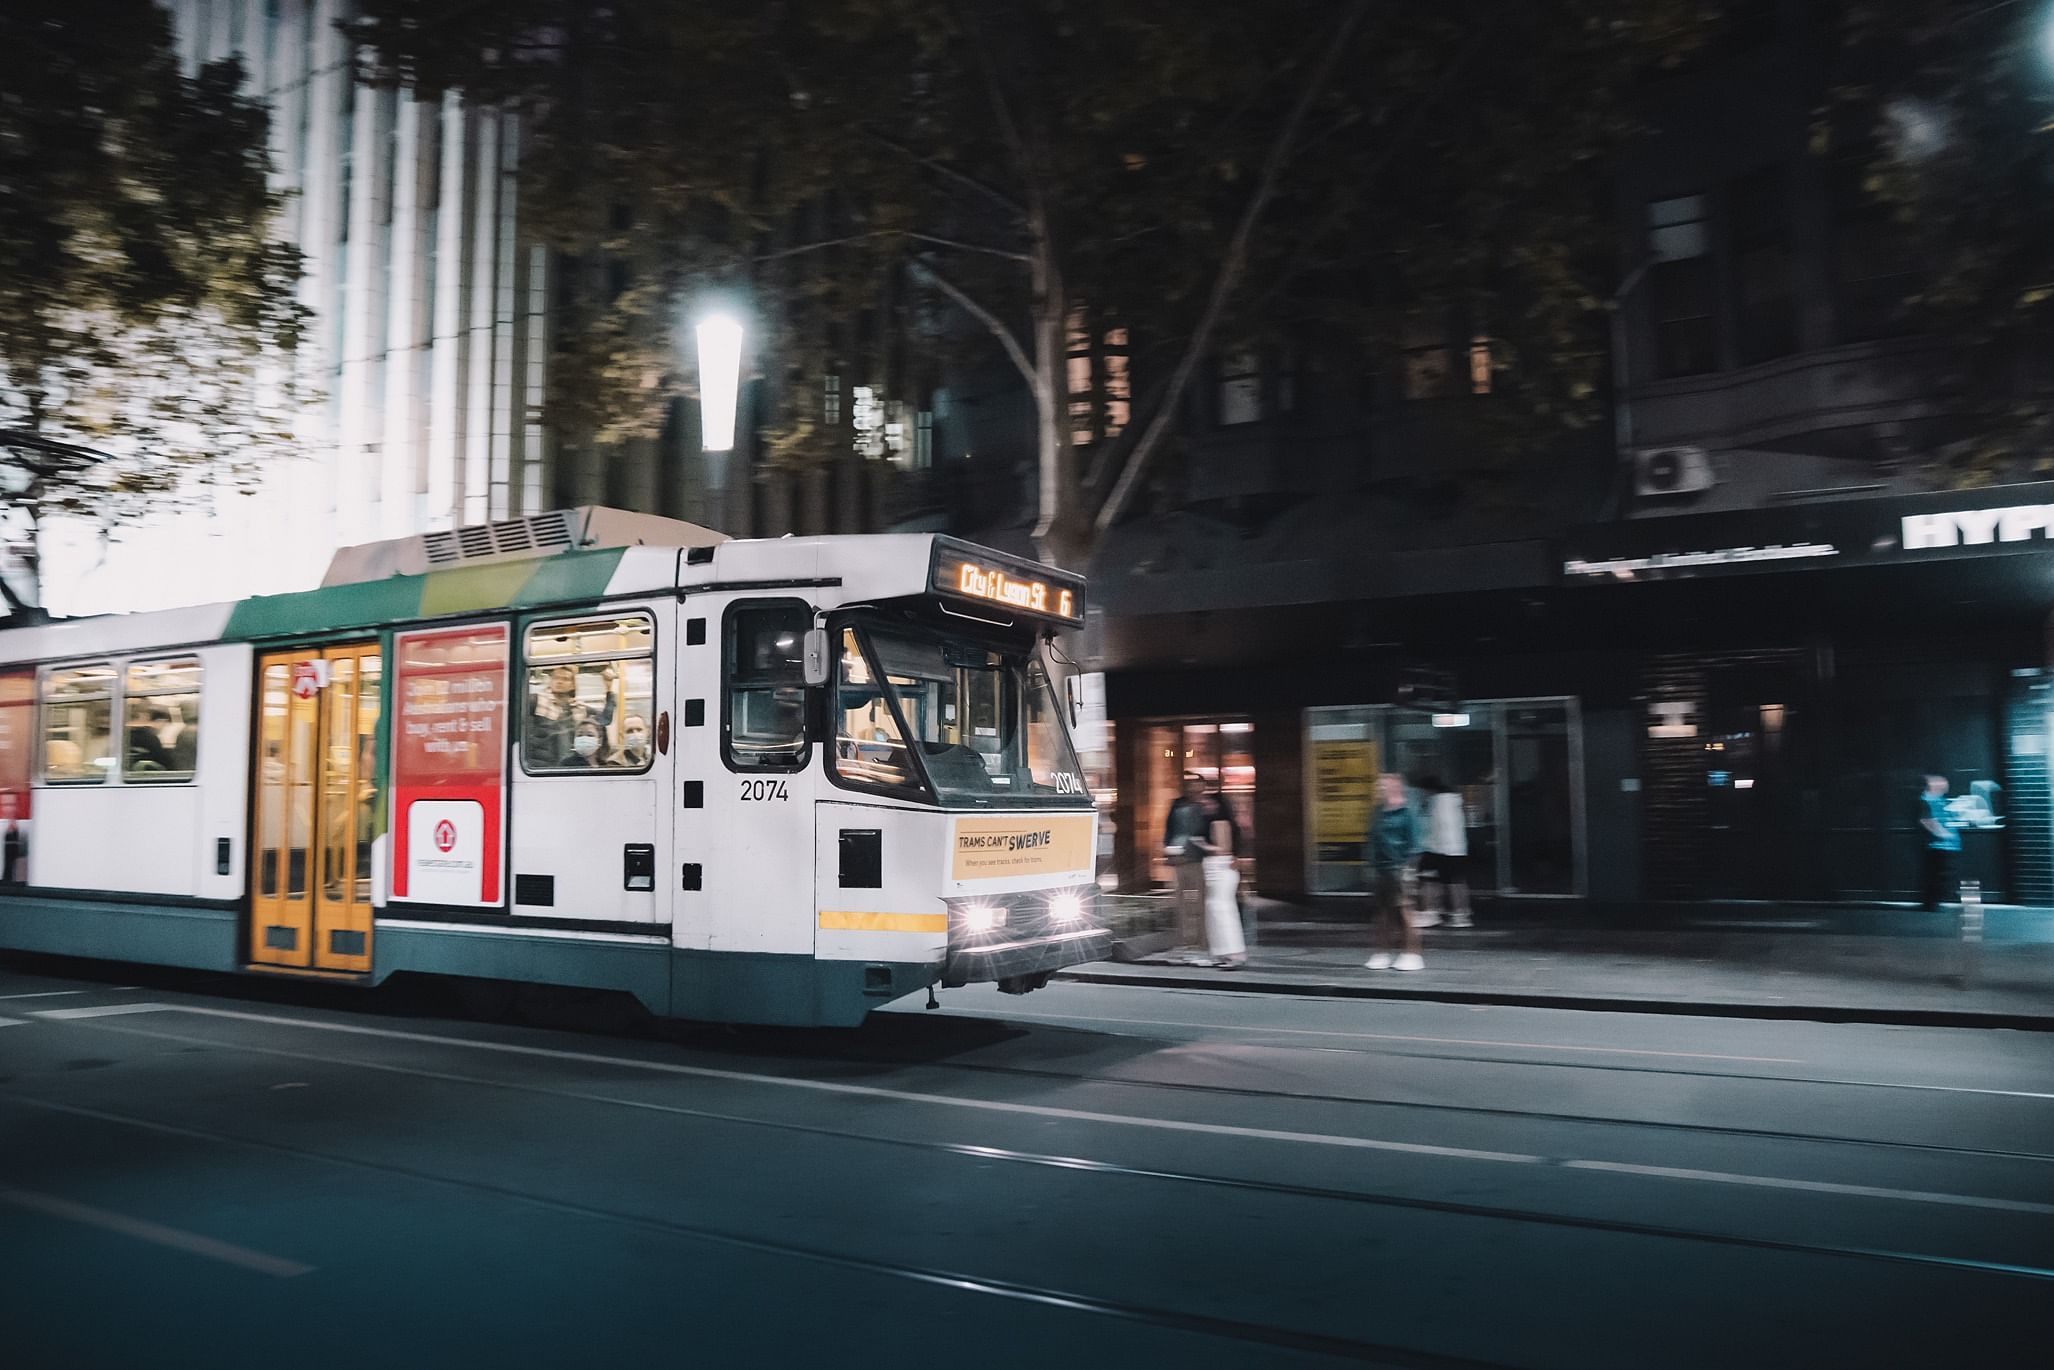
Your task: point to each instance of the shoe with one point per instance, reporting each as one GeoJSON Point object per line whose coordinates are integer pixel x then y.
{"type": "Point", "coordinates": [1411, 960]}
{"type": "Point", "coordinates": [1460, 920]}
{"type": "Point", "coordinates": [1380, 961]}
{"type": "Point", "coordinates": [1232, 965]}
{"type": "Point", "coordinates": [1202, 961]}
{"type": "Point", "coordinates": [1425, 920]}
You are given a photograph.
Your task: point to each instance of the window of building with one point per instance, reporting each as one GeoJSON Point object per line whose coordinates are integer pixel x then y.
{"type": "Point", "coordinates": [831, 401]}
{"type": "Point", "coordinates": [1096, 379]}
{"type": "Point", "coordinates": [591, 696]}
{"type": "Point", "coordinates": [1681, 286]}
{"type": "Point", "coordinates": [1429, 371]}
{"type": "Point", "coordinates": [765, 727]}
{"type": "Point", "coordinates": [78, 725]}
{"type": "Point", "coordinates": [1479, 365]}
{"type": "Point", "coordinates": [161, 721]}
{"type": "Point", "coordinates": [1764, 309]}
{"type": "Point", "coordinates": [1240, 388]}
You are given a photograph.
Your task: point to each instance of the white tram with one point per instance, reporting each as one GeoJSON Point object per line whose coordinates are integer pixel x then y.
{"type": "Point", "coordinates": [749, 781]}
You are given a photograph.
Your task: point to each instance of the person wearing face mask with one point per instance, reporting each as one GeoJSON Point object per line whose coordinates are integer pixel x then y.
{"type": "Point", "coordinates": [633, 752]}
{"type": "Point", "coordinates": [586, 741]}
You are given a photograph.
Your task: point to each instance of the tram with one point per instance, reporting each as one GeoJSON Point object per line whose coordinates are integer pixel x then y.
{"type": "Point", "coordinates": [757, 781]}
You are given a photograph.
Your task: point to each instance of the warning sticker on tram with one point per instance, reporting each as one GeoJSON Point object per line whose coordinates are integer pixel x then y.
{"type": "Point", "coordinates": [1021, 586]}
{"type": "Point", "coordinates": [1006, 848]}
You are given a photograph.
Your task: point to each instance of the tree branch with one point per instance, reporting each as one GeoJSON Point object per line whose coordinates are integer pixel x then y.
{"type": "Point", "coordinates": [1229, 274]}
{"type": "Point", "coordinates": [875, 234]}
{"type": "Point", "coordinates": [1016, 353]}
{"type": "Point", "coordinates": [985, 248]}
{"type": "Point", "coordinates": [941, 168]}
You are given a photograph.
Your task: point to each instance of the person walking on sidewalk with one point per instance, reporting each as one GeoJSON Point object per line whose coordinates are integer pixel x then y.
{"type": "Point", "coordinates": [1390, 849]}
{"type": "Point", "coordinates": [1941, 843]}
{"type": "Point", "coordinates": [1446, 861]}
{"type": "Point", "coordinates": [1184, 842]}
{"type": "Point", "coordinates": [1224, 945]}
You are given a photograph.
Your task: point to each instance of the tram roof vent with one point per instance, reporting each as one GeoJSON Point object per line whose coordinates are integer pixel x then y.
{"type": "Point", "coordinates": [521, 539]}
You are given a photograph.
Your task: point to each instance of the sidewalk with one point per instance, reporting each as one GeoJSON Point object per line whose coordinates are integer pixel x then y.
{"type": "Point", "coordinates": [1884, 966]}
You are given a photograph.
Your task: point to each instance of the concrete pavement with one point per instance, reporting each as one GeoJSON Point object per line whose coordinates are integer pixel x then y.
{"type": "Point", "coordinates": [1885, 966]}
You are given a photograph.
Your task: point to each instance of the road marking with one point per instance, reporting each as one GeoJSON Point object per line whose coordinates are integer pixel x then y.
{"type": "Point", "coordinates": [141, 1229]}
{"type": "Point", "coordinates": [1379, 1036]}
{"type": "Point", "coordinates": [14, 1022]}
{"type": "Point", "coordinates": [101, 1011]}
{"type": "Point", "coordinates": [1859, 1191]}
{"type": "Point", "coordinates": [1068, 1114]}
{"type": "Point", "coordinates": [44, 994]}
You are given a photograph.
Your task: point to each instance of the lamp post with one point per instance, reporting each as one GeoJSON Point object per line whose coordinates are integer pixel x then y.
{"type": "Point", "coordinates": [720, 381]}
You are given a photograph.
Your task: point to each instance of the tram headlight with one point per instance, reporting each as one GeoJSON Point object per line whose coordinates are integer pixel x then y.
{"type": "Point", "coordinates": [1067, 907]}
{"type": "Point", "coordinates": [981, 918]}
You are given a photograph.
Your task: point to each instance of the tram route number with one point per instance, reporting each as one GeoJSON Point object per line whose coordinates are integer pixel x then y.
{"type": "Point", "coordinates": [757, 790]}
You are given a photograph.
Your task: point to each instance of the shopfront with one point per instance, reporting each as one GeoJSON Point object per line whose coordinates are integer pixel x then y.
{"type": "Point", "coordinates": [1516, 763]}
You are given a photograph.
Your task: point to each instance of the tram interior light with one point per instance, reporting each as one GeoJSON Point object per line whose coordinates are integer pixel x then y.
{"type": "Point", "coordinates": [1067, 907]}
{"type": "Point", "coordinates": [720, 378]}
{"type": "Point", "coordinates": [980, 918]}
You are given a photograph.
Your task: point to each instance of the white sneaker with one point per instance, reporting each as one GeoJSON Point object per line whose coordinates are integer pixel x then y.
{"type": "Point", "coordinates": [1460, 920]}
{"type": "Point", "coordinates": [1410, 960]}
{"type": "Point", "coordinates": [1380, 961]}
{"type": "Point", "coordinates": [1425, 919]}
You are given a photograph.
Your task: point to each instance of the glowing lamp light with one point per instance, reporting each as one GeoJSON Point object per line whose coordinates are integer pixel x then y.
{"type": "Point", "coordinates": [1067, 907]}
{"type": "Point", "coordinates": [720, 381]}
{"type": "Point", "coordinates": [980, 918]}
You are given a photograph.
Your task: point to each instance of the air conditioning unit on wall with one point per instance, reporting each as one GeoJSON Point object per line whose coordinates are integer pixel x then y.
{"type": "Point", "coordinates": [1662, 471]}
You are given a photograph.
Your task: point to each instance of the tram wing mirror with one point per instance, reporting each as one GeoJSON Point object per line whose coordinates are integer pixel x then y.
{"type": "Point", "coordinates": [817, 660]}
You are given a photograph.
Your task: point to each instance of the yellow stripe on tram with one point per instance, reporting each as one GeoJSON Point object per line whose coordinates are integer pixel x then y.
{"type": "Point", "coordinates": [885, 922]}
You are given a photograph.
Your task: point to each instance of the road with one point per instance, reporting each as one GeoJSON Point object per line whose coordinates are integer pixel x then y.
{"type": "Point", "coordinates": [204, 1171]}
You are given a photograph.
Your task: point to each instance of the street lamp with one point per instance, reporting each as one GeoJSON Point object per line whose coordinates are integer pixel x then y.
{"type": "Point", "coordinates": [720, 379]}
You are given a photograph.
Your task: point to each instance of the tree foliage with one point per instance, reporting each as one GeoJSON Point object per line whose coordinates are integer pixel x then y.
{"type": "Point", "coordinates": [1198, 175]}
{"type": "Point", "coordinates": [1947, 108]}
{"type": "Point", "coordinates": [146, 316]}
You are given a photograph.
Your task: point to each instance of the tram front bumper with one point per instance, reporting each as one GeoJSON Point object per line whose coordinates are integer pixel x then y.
{"type": "Point", "coordinates": [1021, 939]}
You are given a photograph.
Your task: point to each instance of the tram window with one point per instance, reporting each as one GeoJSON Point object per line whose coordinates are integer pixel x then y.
{"type": "Point", "coordinates": [766, 687]}
{"type": "Point", "coordinates": [78, 725]}
{"type": "Point", "coordinates": [591, 696]}
{"type": "Point", "coordinates": [869, 748]}
{"type": "Point", "coordinates": [161, 726]}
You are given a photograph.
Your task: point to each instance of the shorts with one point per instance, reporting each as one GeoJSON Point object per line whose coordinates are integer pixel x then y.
{"type": "Point", "coordinates": [1449, 870]}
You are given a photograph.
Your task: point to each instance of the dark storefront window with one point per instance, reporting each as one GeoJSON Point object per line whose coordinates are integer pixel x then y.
{"type": "Point", "coordinates": [1517, 765]}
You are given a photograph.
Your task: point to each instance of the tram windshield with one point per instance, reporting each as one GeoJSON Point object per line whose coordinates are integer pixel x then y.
{"type": "Point", "coordinates": [984, 720]}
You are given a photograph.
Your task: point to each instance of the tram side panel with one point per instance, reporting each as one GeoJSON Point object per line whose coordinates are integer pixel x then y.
{"type": "Point", "coordinates": [181, 841]}
{"type": "Point", "coordinates": [590, 833]}
{"type": "Point", "coordinates": [881, 923]}
{"type": "Point", "coordinates": [743, 817]}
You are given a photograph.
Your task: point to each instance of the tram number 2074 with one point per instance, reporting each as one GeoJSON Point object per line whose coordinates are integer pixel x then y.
{"type": "Point", "coordinates": [765, 789]}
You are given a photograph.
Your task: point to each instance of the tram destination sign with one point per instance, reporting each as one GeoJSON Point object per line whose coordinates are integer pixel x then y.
{"type": "Point", "coordinates": [1021, 587]}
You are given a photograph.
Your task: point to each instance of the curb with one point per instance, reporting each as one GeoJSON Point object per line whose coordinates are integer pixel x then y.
{"type": "Point", "coordinates": [1887, 1017]}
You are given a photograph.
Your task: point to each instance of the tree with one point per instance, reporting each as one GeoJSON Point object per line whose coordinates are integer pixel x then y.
{"type": "Point", "coordinates": [1185, 173]}
{"type": "Point", "coordinates": [147, 319]}
{"type": "Point", "coordinates": [1943, 112]}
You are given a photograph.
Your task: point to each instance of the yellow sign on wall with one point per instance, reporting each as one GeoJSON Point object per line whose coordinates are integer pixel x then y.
{"type": "Point", "coordinates": [1008, 848]}
{"type": "Point", "coordinates": [1343, 788]}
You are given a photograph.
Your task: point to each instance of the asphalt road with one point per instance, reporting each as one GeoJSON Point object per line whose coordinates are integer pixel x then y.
{"type": "Point", "coordinates": [200, 1171]}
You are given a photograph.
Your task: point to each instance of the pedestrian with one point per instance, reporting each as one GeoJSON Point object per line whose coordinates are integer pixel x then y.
{"type": "Point", "coordinates": [1941, 842]}
{"type": "Point", "coordinates": [1224, 945]}
{"type": "Point", "coordinates": [1390, 851]}
{"type": "Point", "coordinates": [1184, 842]}
{"type": "Point", "coordinates": [1445, 864]}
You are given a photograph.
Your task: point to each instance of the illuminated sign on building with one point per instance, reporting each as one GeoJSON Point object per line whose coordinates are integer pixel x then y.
{"type": "Point", "coordinates": [1024, 588]}
{"type": "Point", "coordinates": [1977, 527]}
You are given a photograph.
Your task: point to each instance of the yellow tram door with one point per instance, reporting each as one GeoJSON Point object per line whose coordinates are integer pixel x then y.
{"type": "Point", "coordinates": [316, 808]}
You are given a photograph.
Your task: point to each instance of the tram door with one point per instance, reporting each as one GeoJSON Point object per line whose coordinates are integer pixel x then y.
{"type": "Point", "coordinates": [316, 808]}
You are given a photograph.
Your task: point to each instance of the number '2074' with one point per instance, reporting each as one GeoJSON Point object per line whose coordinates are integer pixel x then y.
{"type": "Point", "coordinates": [753, 790]}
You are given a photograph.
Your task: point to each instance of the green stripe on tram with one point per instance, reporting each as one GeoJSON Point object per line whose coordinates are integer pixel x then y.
{"type": "Point", "coordinates": [567, 576]}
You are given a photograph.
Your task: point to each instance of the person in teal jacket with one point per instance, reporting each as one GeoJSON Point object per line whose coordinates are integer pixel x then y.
{"type": "Point", "coordinates": [1389, 850]}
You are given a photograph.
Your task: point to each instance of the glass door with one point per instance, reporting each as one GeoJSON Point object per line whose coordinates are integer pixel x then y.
{"type": "Point", "coordinates": [316, 808]}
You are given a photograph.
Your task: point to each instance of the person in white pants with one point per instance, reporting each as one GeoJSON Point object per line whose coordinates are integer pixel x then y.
{"type": "Point", "coordinates": [1447, 852]}
{"type": "Point", "coordinates": [1224, 943]}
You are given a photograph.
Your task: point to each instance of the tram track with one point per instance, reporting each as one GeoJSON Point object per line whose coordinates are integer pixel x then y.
{"type": "Point", "coordinates": [1083, 1165]}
